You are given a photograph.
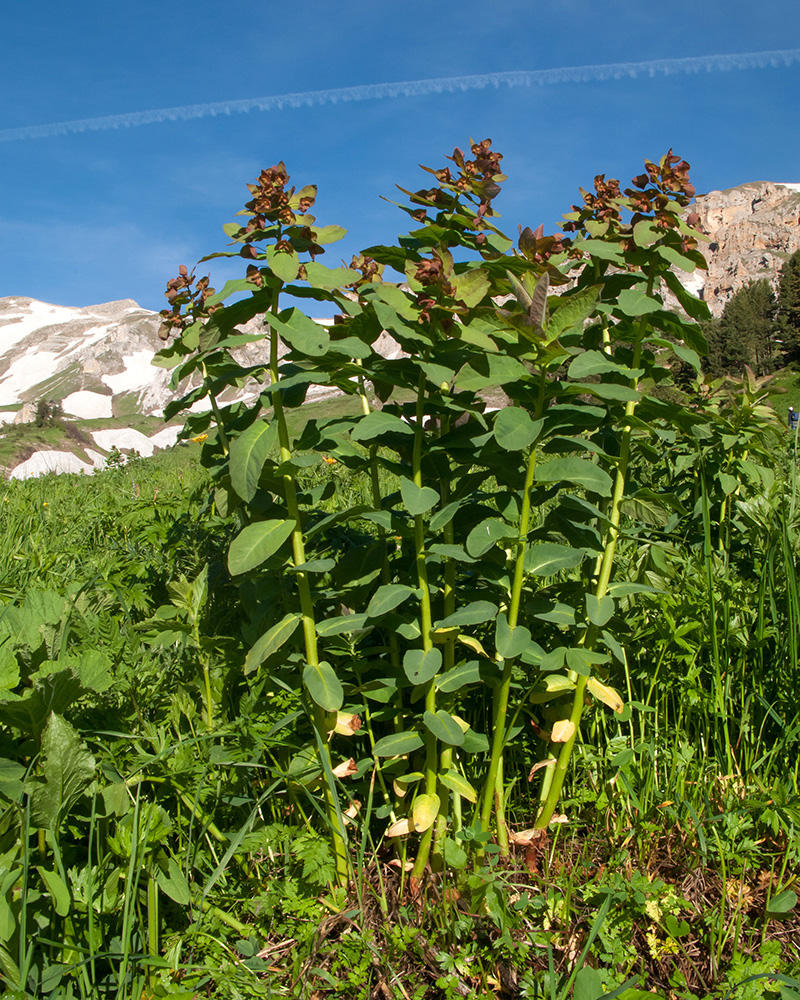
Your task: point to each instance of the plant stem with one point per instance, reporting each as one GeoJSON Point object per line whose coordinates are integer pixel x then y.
{"type": "Point", "coordinates": [318, 715]}
{"type": "Point", "coordinates": [426, 621]}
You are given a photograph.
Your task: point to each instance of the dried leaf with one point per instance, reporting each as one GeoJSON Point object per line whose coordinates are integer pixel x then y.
{"type": "Point", "coordinates": [346, 769]}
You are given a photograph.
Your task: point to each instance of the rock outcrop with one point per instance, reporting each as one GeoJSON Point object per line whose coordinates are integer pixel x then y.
{"type": "Point", "coordinates": [753, 229]}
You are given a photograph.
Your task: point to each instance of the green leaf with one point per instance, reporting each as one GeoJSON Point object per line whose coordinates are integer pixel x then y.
{"type": "Point", "coordinates": [376, 423]}
{"type": "Point", "coordinates": [582, 660]}
{"type": "Point", "coordinates": [474, 613]}
{"type": "Point", "coordinates": [301, 332]}
{"type": "Point", "coordinates": [323, 685]}
{"type": "Point", "coordinates": [484, 535]}
{"type": "Point", "coordinates": [509, 642]}
{"type": "Point", "coordinates": [343, 624]}
{"type": "Point", "coordinates": [255, 543]}
{"type": "Point", "coordinates": [444, 516]}
{"type": "Point", "coordinates": [678, 259]}
{"type": "Point", "coordinates": [397, 745]}
{"type": "Point", "coordinates": [549, 558]}
{"type": "Point", "coordinates": [173, 883]}
{"type": "Point", "coordinates": [9, 668]}
{"type": "Point", "coordinates": [588, 985]}
{"type": "Point", "coordinates": [514, 430]}
{"type": "Point", "coordinates": [271, 641]}
{"type": "Point", "coordinates": [598, 363]}
{"type": "Point", "coordinates": [319, 276]}
{"type": "Point", "coordinates": [491, 370]}
{"type": "Point", "coordinates": [782, 904]}
{"type": "Point", "coordinates": [417, 499]}
{"type": "Point", "coordinates": [328, 234]}
{"type": "Point", "coordinates": [66, 773]}
{"type": "Point", "coordinates": [59, 893]}
{"type": "Point", "coordinates": [577, 471]}
{"type": "Point", "coordinates": [598, 611]}
{"type": "Point", "coordinates": [572, 310]}
{"type": "Point", "coordinates": [458, 783]}
{"type": "Point", "coordinates": [247, 456]}
{"type": "Point", "coordinates": [632, 302]}
{"type": "Point", "coordinates": [471, 286]}
{"type": "Point", "coordinates": [387, 598]}
{"type": "Point", "coordinates": [420, 666]}
{"type": "Point", "coordinates": [444, 727]}
{"type": "Point", "coordinates": [459, 677]}
{"type": "Point", "coordinates": [601, 250]}
{"type": "Point", "coordinates": [284, 264]}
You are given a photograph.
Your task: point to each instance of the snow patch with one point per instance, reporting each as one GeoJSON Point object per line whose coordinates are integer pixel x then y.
{"type": "Point", "coordinates": [124, 438]}
{"type": "Point", "coordinates": [32, 368]}
{"type": "Point", "coordinates": [16, 326]}
{"type": "Point", "coordinates": [88, 405]}
{"type": "Point", "coordinates": [138, 373]}
{"type": "Point", "coordinates": [44, 462]}
{"type": "Point", "coordinates": [792, 187]}
{"type": "Point", "coordinates": [166, 438]}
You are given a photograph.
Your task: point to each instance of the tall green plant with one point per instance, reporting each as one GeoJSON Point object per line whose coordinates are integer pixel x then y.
{"type": "Point", "coordinates": [489, 561]}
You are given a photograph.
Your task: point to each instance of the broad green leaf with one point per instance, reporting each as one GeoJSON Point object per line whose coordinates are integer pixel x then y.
{"type": "Point", "coordinates": [301, 332]}
{"type": "Point", "coordinates": [577, 471]}
{"type": "Point", "coordinates": [550, 687]}
{"type": "Point", "coordinates": [782, 904]}
{"type": "Point", "coordinates": [283, 263]}
{"type": "Point", "coordinates": [255, 543]}
{"type": "Point", "coordinates": [247, 456]}
{"type": "Point", "coordinates": [59, 893]}
{"type": "Point", "coordinates": [604, 251]}
{"type": "Point", "coordinates": [328, 234]}
{"type": "Point", "coordinates": [582, 660]}
{"type": "Point", "coordinates": [484, 535]}
{"type": "Point", "coordinates": [549, 558]}
{"type": "Point", "coordinates": [509, 642]}
{"type": "Point", "coordinates": [341, 625]}
{"type": "Point", "coordinates": [323, 685]}
{"type": "Point", "coordinates": [376, 423]}
{"type": "Point", "coordinates": [319, 276]}
{"type": "Point", "coordinates": [678, 259]}
{"type": "Point", "coordinates": [444, 727]}
{"type": "Point", "coordinates": [271, 641]}
{"type": "Point", "coordinates": [632, 302]}
{"type": "Point", "coordinates": [474, 613]}
{"type": "Point", "coordinates": [387, 598]}
{"type": "Point", "coordinates": [645, 233]}
{"type": "Point", "coordinates": [471, 286]}
{"type": "Point", "coordinates": [420, 666]}
{"type": "Point", "coordinates": [605, 390]}
{"type": "Point", "coordinates": [598, 363]}
{"type": "Point", "coordinates": [444, 516]}
{"type": "Point", "coordinates": [397, 745]}
{"type": "Point", "coordinates": [459, 677]}
{"type": "Point", "coordinates": [458, 783]}
{"type": "Point", "coordinates": [173, 883]}
{"type": "Point", "coordinates": [514, 430]}
{"type": "Point", "coordinates": [588, 985]}
{"type": "Point", "coordinates": [572, 311]}
{"type": "Point", "coordinates": [397, 299]}
{"type": "Point", "coordinates": [9, 667]}
{"type": "Point", "coordinates": [424, 812]}
{"type": "Point", "coordinates": [66, 772]}
{"type": "Point", "coordinates": [417, 499]}
{"type": "Point", "coordinates": [491, 370]}
{"type": "Point", "coordinates": [599, 610]}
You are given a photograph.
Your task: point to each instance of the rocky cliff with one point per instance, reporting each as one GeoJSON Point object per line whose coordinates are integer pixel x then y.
{"type": "Point", "coordinates": [753, 229]}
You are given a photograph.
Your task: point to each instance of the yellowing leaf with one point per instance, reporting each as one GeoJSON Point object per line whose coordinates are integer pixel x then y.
{"type": "Point", "coordinates": [399, 828]}
{"type": "Point", "coordinates": [606, 694]}
{"type": "Point", "coordinates": [473, 644]}
{"type": "Point", "coordinates": [345, 769]}
{"type": "Point", "coordinates": [563, 731]}
{"type": "Point", "coordinates": [424, 811]}
{"type": "Point", "coordinates": [347, 724]}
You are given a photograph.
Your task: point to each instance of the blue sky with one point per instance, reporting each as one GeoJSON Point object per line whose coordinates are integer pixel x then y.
{"type": "Point", "coordinates": [103, 212]}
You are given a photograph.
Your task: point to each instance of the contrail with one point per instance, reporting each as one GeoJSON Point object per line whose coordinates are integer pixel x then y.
{"type": "Point", "coordinates": [413, 88]}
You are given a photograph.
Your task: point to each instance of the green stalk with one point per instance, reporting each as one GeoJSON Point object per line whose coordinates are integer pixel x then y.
{"type": "Point", "coordinates": [426, 621]}
{"type": "Point", "coordinates": [559, 771]}
{"type": "Point", "coordinates": [502, 692]}
{"type": "Point", "coordinates": [318, 714]}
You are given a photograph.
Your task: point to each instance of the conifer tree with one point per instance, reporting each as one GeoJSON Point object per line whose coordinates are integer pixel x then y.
{"type": "Point", "coordinates": [745, 334]}
{"type": "Point", "coordinates": [789, 307]}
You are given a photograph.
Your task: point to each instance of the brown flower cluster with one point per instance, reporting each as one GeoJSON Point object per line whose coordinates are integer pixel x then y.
{"type": "Point", "coordinates": [478, 177]}
{"type": "Point", "coordinates": [271, 198]}
{"type": "Point", "coordinates": [180, 294]}
{"type": "Point", "coordinates": [540, 248]}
